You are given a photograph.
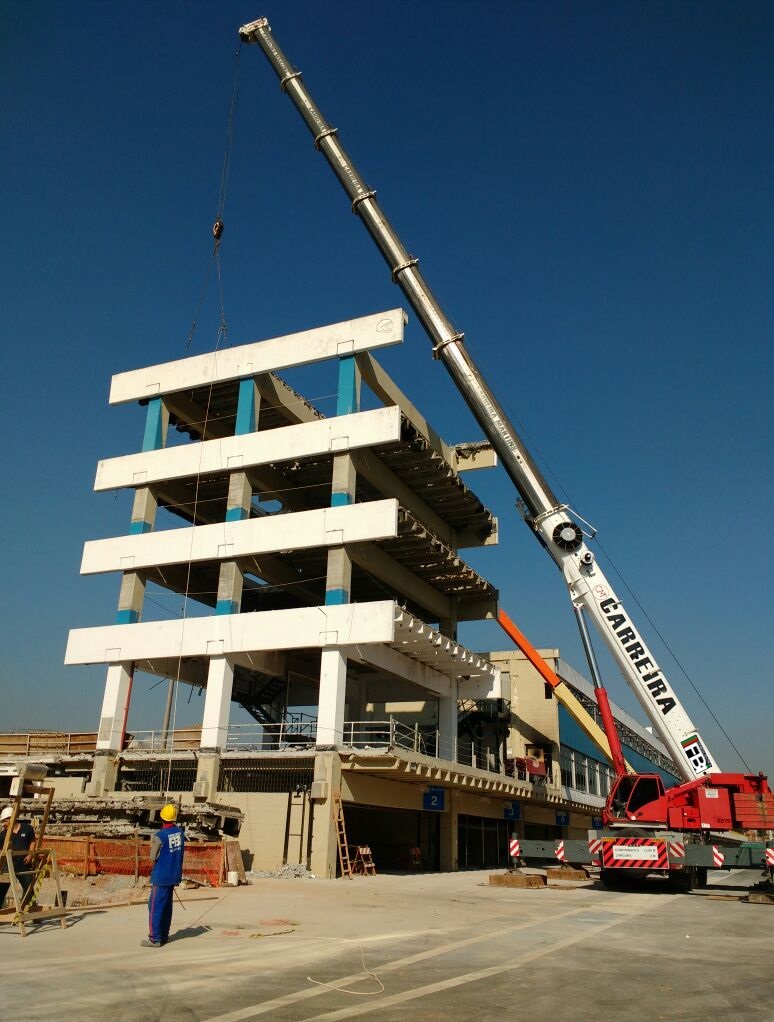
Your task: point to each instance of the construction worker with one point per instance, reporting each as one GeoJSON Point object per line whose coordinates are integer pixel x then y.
{"type": "Point", "coordinates": [21, 840]}
{"type": "Point", "coordinates": [166, 854]}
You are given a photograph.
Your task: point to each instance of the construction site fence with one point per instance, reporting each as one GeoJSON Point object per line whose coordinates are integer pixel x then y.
{"type": "Point", "coordinates": [74, 743]}
{"type": "Point", "coordinates": [203, 861]}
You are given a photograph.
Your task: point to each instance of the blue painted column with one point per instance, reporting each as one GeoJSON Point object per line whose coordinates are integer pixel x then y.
{"type": "Point", "coordinates": [240, 495]}
{"type": "Point", "coordinates": [343, 483]}
{"type": "Point", "coordinates": [132, 594]}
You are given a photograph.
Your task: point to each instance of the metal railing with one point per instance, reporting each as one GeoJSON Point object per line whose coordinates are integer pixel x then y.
{"type": "Point", "coordinates": [298, 731]}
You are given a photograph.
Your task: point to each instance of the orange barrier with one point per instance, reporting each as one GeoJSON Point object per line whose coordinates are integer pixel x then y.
{"type": "Point", "coordinates": [204, 861]}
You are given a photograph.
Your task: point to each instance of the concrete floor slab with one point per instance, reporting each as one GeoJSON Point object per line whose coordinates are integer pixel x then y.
{"type": "Point", "coordinates": [389, 948]}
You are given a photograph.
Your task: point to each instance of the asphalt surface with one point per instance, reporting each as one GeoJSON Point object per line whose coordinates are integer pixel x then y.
{"type": "Point", "coordinates": [394, 948]}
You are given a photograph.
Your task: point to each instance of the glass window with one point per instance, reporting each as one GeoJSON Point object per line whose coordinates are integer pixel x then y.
{"type": "Point", "coordinates": [593, 777]}
{"type": "Point", "coordinates": [580, 772]}
{"type": "Point", "coordinates": [565, 763]}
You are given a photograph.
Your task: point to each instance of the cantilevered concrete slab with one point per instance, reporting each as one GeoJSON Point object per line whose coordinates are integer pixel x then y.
{"type": "Point", "coordinates": [324, 527]}
{"type": "Point", "coordinates": [225, 634]}
{"type": "Point", "coordinates": [378, 331]}
{"type": "Point", "coordinates": [239, 453]}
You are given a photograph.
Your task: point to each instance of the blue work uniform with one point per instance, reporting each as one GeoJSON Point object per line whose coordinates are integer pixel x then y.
{"type": "Point", "coordinates": [166, 875]}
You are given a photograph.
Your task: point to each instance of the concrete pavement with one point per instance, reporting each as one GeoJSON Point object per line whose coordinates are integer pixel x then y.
{"type": "Point", "coordinates": [396, 947]}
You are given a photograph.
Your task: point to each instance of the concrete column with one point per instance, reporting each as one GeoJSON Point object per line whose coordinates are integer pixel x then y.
{"type": "Point", "coordinates": [143, 511]}
{"type": "Point", "coordinates": [230, 582]}
{"type": "Point", "coordinates": [333, 688]}
{"type": "Point", "coordinates": [118, 683]}
{"type": "Point", "coordinates": [156, 425]}
{"type": "Point", "coordinates": [448, 713]}
{"type": "Point", "coordinates": [248, 407]}
{"type": "Point", "coordinates": [130, 598]}
{"type": "Point", "coordinates": [240, 496]}
{"type": "Point", "coordinates": [449, 836]}
{"type": "Point", "coordinates": [359, 707]}
{"type": "Point", "coordinates": [217, 703]}
{"type": "Point", "coordinates": [327, 780]}
{"type": "Point", "coordinates": [448, 626]}
{"type": "Point", "coordinates": [112, 727]}
{"type": "Point", "coordinates": [343, 482]}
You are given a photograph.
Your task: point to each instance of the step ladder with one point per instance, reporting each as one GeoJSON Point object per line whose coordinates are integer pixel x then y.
{"type": "Point", "coordinates": [363, 861]}
{"type": "Point", "coordinates": [341, 836]}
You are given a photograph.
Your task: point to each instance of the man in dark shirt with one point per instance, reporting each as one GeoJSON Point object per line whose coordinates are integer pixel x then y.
{"type": "Point", "coordinates": [166, 853]}
{"type": "Point", "coordinates": [22, 838]}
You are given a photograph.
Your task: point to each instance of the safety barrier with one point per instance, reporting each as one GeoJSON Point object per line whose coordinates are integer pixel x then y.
{"type": "Point", "coordinates": [204, 861]}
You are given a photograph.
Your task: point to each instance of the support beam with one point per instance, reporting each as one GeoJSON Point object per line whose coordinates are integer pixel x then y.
{"type": "Point", "coordinates": [389, 393]}
{"type": "Point", "coordinates": [395, 576]}
{"type": "Point", "coordinates": [276, 395]}
{"type": "Point", "coordinates": [392, 662]}
{"type": "Point", "coordinates": [187, 411]}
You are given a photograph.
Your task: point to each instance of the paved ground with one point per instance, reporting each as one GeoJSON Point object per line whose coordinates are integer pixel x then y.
{"type": "Point", "coordinates": [441, 947]}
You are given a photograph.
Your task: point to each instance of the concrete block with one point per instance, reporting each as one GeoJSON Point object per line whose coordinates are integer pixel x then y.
{"type": "Point", "coordinates": [760, 897]}
{"type": "Point", "coordinates": [566, 873]}
{"type": "Point", "coordinates": [520, 880]}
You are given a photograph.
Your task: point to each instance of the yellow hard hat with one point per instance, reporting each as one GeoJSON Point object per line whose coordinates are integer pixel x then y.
{"type": "Point", "coordinates": [168, 813]}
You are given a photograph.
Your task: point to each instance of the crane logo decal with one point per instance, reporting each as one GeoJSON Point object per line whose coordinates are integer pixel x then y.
{"type": "Point", "coordinates": [638, 654]}
{"type": "Point", "coordinates": [696, 753]}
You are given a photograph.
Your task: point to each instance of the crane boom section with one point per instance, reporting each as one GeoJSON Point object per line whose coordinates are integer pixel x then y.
{"type": "Point", "coordinates": [562, 538]}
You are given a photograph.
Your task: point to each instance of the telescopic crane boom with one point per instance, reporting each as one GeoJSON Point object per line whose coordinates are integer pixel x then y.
{"type": "Point", "coordinates": [552, 522]}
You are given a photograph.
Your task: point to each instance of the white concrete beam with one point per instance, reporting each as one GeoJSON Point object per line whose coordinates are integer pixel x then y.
{"type": "Point", "coordinates": [377, 331]}
{"type": "Point", "coordinates": [237, 453]}
{"type": "Point", "coordinates": [385, 388]}
{"type": "Point", "coordinates": [482, 687]}
{"type": "Point", "coordinates": [390, 660]}
{"type": "Point", "coordinates": [227, 634]}
{"type": "Point", "coordinates": [478, 454]}
{"type": "Point", "coordinates": [302, 530]}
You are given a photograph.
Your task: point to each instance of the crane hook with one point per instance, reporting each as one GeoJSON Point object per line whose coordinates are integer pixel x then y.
{"type": "Point", "coordinates": [217, 230]}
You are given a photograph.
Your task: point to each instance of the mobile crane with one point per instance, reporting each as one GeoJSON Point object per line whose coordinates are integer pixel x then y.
{"type": "Point", "coordinates": [707, 799]}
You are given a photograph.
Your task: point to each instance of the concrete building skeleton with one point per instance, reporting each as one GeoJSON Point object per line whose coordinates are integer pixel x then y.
{"type": "Point", "coordinates": [322, 556]}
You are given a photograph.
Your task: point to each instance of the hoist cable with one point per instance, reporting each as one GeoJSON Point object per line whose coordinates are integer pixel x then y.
{"type": "Point", "coordinates": [222, 332]}
{"type": "Point", "coordinates": [217, 228]}
{"type": "Point", "coordinates": [549, 472]}
{"type": "Point", "coordinates": [674, 656]}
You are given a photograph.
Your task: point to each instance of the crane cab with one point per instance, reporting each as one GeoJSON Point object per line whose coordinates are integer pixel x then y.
{"type": "Point", "coordinates": [634, 799]}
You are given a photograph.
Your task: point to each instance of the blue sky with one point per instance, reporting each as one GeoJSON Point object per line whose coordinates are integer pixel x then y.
{"type": "Point", "coordinates": [588, 187]}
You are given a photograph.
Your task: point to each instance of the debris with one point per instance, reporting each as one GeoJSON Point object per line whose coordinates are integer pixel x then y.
{"type": "Point", "coordinates": [289, 871]}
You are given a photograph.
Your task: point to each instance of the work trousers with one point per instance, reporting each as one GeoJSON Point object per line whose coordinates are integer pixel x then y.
{"type": "Point", "coordinates": [160, 912]}
{"type": "Point", "coordinates": [25, 878]}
